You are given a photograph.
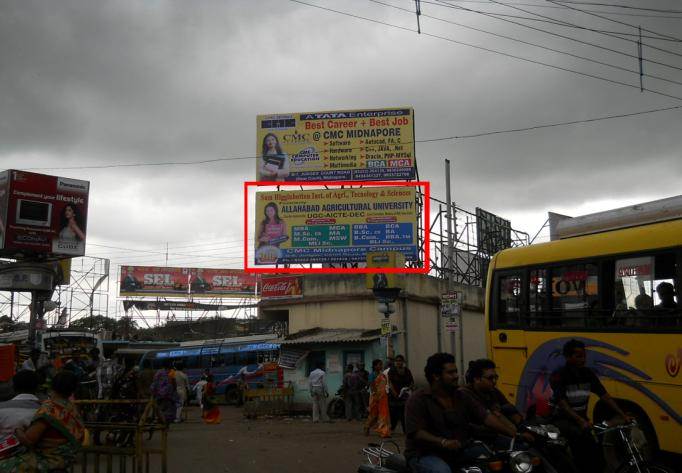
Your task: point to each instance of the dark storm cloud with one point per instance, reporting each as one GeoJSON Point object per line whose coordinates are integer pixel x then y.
{"type": "Point", "coordinates": [87, 83]}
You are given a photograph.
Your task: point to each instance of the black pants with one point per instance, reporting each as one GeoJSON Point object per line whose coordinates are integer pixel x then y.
{"type": "Point", "coordinates": [397, 411]}
{"type": "Point", "coordinates": [587, 452]}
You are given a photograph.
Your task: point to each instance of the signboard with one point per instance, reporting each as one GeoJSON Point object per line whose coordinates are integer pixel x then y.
{"type": "Point", "coordinates": [357, 145]}
{"type": "Point", "coordinates": [450, 304]}
{"type": "Point", "coordinates": [153, 281]}
{"type": "Point", "coordinates": [334, 225]}
{"type": "Point", "coordinates": [493, 233]}
{"type": "Point", "coordinates": [42, 215]}
{"type": "Point", "coordinates": [385, 326]}
{"type": "Point", "coordinates": [384, 259]}
{"type": "Point", "coordinates": [451, 325]}
{"type": "Point", "coordinates": [281, 287]}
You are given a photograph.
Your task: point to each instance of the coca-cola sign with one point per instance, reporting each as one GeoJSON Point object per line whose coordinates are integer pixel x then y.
{"type": "Point", "coordinates": [281, 287]}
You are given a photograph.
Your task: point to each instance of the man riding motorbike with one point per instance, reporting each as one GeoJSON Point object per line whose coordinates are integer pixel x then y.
{"type": "Point", "coordinates": [437, 421]}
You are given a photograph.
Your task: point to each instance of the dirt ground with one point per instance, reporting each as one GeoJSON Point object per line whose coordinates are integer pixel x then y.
{"type": "Point", "coordinates": [283, 445]}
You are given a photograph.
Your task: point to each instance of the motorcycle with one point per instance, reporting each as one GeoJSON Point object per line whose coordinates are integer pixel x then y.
{"type": "Point", "coordinates": [552, 448]}
{"type": "Point", "coordinates": [513, 460]}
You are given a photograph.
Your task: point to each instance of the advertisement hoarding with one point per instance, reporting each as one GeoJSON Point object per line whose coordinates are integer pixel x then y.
{"type": "Point", "coordinates": [345, 145]}
{"type": "Point", "coordinates": [281, 287]}
{"type": "Point", "coordinates": [42, 215]}
{"type": "Point", "coordinates": [492, 232]}
{"type": "Point", "coordinates": [155, 281]}
{"type": "Point", "coordinates": [334, 225]}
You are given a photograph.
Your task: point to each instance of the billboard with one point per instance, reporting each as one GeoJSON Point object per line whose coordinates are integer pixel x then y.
{"type": "Point", "coordinates": [155, 281]}
{"type": "Point", "coordinates": [334, 225]}
{"type": "Point", "coordinates": [346, 145]}
{"type": "Point", "coordinates": [281, 287]}
{"type": "Point", "coordinates": [492, 232]}
{"type": "Point", "coordinates": [42, 215]}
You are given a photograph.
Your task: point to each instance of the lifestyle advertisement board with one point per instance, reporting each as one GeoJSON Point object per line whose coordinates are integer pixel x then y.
{"type": "Point", "coordinates": [334, 225]}
{"type": "Point", "coordinates": [346, 145]}
{"type": "Point", "coordinates": [137, 281]}
{"type": "Point", "coordinates": [42, 216]}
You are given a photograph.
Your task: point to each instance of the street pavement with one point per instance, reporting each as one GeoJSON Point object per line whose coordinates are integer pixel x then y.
{"type": "Point", "coordinates": [282, 445]}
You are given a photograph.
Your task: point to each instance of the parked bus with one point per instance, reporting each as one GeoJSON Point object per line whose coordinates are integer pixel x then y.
{"type": "Point", "coordinates": [232, 362]}
{"type": "Point", "coordinates": [615, 290]}
{"type": "Point", "coordinates": [58, 344]}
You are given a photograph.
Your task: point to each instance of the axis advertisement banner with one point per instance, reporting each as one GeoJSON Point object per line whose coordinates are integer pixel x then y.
{"type": "Point", "coordinates": [154, 281]}
{"type": "Point", "coordinates": [357, 145]}
{"type": "Point", "coordinates": [334, 225]}
{"type": "Point", "coordinates": [281, 287]}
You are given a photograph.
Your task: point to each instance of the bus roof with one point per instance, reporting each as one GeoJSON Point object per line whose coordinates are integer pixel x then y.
{"type": "Point", "coordinates": [230, 341]}
{"type": "Point", "coordinates": [643, 237]}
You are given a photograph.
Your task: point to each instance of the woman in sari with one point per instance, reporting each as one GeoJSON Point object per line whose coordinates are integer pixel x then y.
{"type": "Point", "coordinates": [210, 411]}
{"type": "Point", "coordinates": [55, 434]}
{"type": "Point", "coordinates": [378, 417]}
{"type": "Point", "coordinates": [164, 392]}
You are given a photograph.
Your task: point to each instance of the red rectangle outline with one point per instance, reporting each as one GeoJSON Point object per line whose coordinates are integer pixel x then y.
{"type": "Point", "coordinates": [426, 212]}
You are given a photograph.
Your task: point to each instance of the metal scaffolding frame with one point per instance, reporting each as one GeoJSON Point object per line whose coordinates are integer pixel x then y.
{"type": "Point", "coordinates": [86, 295]}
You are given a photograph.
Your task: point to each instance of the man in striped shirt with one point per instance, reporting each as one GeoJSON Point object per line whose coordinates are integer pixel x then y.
{"type": "Point", "coordinates": [571, 386]}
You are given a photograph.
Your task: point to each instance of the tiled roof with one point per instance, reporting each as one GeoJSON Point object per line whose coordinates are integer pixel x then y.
{"type": "Point", "coordinates": [331, 335]}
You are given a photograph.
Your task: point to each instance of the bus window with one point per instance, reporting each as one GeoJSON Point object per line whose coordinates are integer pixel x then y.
{"type": "Point", "coordinates": [510, 301]}
{"type": "Point", "coordinates": [644, 291]}
{"type": "Point", "coordinates": [538, 303]}
{"type": "Point", "coordinates": [575, 294]}
{"type": "Point", "coordinates": [229, 359]}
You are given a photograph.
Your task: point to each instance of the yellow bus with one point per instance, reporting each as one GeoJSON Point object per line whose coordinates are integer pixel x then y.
{"type": "Point", "coordinates": [615, 290]}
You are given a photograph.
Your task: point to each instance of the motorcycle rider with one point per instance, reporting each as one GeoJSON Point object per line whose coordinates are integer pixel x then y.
{"type": "Point", "coordinates": [437, 420]}
{"type": "Point", "coordinates": [571, 387]}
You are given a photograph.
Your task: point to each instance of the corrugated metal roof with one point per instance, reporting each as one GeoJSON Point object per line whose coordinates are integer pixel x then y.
{"type": "Point", "coordinates": [331, 335]}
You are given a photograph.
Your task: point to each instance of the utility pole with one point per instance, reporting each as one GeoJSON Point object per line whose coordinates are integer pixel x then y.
{"type": "Point", "coordinates": [451, 273]}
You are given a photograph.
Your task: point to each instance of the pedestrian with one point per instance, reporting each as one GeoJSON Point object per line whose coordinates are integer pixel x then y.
{"type": "Point", "coordinates": [182, 387]}
{"type": "Point", "coordinates": [18, 411]}
{"type": "Point", "coordinates": [199, 391]}
{"type": "Point", "coordinates": [55, 434]}
{"type": "Point", "coordinates": [144, 380]}
{"type": "Point", "coordinates": [379, 416]}
{"type": "Point", "coordinates": [401, 383]}
{"type": "Point", "coordinates": [352, 395]}
{"type": "Point", "coordinates": [364, 388]}
{"type": "Point", "coordinates": [163, 390]}
{"type": "Point", "coordinates": [210, 412]}
{"type": "Point", "coordinates": [317, 383]}
{"type": "Point", "coordinates": [33, 361]}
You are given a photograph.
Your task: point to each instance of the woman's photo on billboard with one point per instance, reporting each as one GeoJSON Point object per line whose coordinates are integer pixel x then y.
{"type": "Point", "coordinates": [71, 223]}
{"type": "Point", "coordinates": [274, 163]}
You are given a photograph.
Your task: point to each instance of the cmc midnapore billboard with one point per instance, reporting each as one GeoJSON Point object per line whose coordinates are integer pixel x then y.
{"type": "Point", "coordinates": [357, 145]}
{"type": "Point", "coordinates": [334, 225]}
{"type": "Point", "coordinates": [42, 215]}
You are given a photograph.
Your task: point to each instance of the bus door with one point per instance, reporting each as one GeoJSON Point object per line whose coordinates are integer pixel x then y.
{"type": "Point", "coordinates": [507, 337]}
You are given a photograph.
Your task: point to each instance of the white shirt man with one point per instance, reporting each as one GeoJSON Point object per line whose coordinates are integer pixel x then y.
{"type": "Point", "coordinates": [317, 382]}
{"type": "Point", "coordinates": [182, 387]}
{"type": "Point", "coordinates": [19, 411]}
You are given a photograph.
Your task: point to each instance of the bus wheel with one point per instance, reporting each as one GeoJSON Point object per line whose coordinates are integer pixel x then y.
{"type": "Point", "coordinates": [233, 396]}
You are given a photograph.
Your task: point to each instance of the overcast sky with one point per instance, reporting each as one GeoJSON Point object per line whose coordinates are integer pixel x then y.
{"type": "Point", "coordinates": [91, 83]}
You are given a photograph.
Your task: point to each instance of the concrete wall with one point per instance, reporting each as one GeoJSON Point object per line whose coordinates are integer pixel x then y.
{"type": "Point", "coordinates": [343, 301]}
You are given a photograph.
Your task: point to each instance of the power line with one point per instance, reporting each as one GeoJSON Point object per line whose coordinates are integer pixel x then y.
{"type": "Point", "coordinates": [578, 40]}
{"type": "Point", "coordinates": [640, 15]}
{"type": "Point", "coordinates": [429, 140]}
{"type": "Point", "coordinates": [615, 21]}
{"type": "Point", "coordinates": [532, 61]}
{"type": "Point", "coordinates": [511, 38]}
{"type": "Point", "coordinates": [628, 7]}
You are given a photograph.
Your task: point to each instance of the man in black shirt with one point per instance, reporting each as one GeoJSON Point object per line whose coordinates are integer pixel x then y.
{"type": "Point", "coordinates": [437, 420]}
{"type": "Point", "coordinates": [571, 387]}
{"type": "Point", "coordinates": [481, 379]}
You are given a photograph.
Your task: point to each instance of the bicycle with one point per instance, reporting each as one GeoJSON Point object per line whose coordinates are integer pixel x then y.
{"type": "Point", "coordinates": [634, 459]}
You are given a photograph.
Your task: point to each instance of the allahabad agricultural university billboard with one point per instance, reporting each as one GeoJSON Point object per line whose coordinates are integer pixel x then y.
{"type": "Point", "coordinates": [155, 281]}
{"type": "Point", "coordinates": [42, 215]}
{"type": "Point", "coordinates": [357, 145]}
{"type": "Point", "coordinates": [334, 225]}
